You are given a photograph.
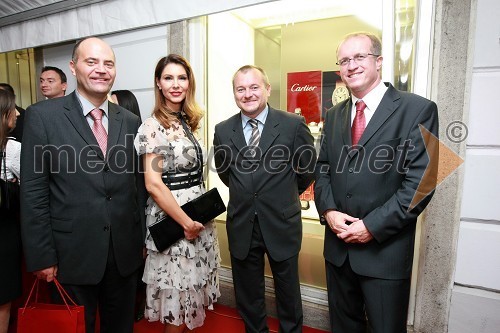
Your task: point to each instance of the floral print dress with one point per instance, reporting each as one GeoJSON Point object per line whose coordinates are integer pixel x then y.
{"type": "Point", "coordinates": [182, 280]}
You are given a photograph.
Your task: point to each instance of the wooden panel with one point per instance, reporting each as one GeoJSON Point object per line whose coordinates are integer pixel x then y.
{"type": "Point", "coordinates": [478, 255]}
{"type": "Point", "coordinates": [487, 43]}
{"type": "Point", "coordinates": [481, 188]}
{"type": "Point", "coordinates": [474, 311]}
{"type": "Point", "coordinates": [484, 115]}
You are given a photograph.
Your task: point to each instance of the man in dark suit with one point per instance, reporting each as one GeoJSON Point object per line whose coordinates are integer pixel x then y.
{"type": "Point", "coordinates": [372, 165]}
{"type": "Point", "coordinates": [266, 157]}
{"type": "Point", "coordinates": [82, 207]}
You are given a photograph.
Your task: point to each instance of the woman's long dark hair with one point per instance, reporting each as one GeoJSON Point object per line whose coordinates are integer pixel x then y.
{"type": "Point", "coordinates": [126, 99]}
{"type": "Point", "coordinates": [7, 105]}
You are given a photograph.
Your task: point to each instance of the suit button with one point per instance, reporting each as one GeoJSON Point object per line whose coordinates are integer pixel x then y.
{"type": "Point", "coordinates": [255, 195]}
{"type": "Point", "coordinates": [349, 195]}
{"type": "Point", "coordinates": [351, 170]}
{"type": "Point", "coordinates": [106, 228]}
{"type": "Point", "coordinates": [108, 198]}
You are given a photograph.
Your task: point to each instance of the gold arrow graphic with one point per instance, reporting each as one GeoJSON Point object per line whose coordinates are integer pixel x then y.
{"type": "Point", "coordinates": [442, 163]}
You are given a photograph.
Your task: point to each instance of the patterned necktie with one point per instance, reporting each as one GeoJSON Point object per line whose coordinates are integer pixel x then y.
{"type": "Point", "coordinates": [255, 137]}
{"type": "Point", "coordinates": [99, 131]}
{"type": "Point", "coordinates": [359, 123]}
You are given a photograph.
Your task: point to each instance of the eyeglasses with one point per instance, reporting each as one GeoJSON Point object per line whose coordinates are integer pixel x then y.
{"type": "Point", "coordinates": [358, 58]}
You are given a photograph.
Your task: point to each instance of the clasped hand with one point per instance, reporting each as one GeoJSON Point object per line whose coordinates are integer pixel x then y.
{"type": "Point", "coordinates": [193, 230]}
{"type": "Point", "coordinates": [349, 229]}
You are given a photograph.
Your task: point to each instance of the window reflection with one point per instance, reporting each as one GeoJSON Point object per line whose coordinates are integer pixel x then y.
{"type": "Point", "coordinates": [404, 37]}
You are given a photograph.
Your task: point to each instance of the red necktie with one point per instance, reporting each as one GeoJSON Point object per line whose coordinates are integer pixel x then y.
{"type": "Point", "coordinates": [359, 123]}
{"type": "Point", "coordinates": [99, 131]}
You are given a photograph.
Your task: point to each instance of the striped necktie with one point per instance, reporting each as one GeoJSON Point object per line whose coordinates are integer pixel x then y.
{"type": "Point", "coordinates": [255, 137]}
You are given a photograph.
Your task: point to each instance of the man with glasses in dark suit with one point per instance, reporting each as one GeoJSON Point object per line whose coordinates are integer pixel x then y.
{"type": "Point", "coordinates": [375, 174]}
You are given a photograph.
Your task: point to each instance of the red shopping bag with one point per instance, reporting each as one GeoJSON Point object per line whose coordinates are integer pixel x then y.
{"type": "Point", "coordinates": [51, 318]}
{"type": "Point", "coordinates": [308, 194]}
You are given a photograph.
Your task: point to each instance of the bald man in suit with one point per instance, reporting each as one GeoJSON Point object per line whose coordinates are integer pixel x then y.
{"type": "Point", "coordinates": [82, 195]}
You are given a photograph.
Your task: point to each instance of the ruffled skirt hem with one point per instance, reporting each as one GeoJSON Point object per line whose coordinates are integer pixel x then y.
{"type": "Point", "coordinates": [171, 306]}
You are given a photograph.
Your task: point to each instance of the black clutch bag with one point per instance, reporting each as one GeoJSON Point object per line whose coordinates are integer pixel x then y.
{"type": "Point", "coordinates": [203, 209]}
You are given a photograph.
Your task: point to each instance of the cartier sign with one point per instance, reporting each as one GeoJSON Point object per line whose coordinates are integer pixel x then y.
{"type": "Point", "coordinates": [304, 94]}
{"type": "Point", "coordinates": [306, 87]}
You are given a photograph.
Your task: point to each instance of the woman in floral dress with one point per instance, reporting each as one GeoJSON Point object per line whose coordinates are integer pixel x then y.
{"type": "Point", "coordinates": [182, 280]}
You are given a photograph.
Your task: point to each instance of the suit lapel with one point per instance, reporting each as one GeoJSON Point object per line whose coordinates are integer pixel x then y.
{"type": "Point", "coordinates": [346, 123]}
{"type": "Point", "coordinates": [115, 122]}
{"type": "Point", "coordinates": [387, 106]}
{"type": "Point", "coordinates": [238, 138]}
{"type": "Point", "coordinates": [270, 131]}
{"type": "Point", "coordinates": [74, 113]}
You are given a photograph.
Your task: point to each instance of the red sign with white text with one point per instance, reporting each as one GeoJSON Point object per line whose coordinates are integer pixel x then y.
{"type": "Point", "coordinates": [304, 95]}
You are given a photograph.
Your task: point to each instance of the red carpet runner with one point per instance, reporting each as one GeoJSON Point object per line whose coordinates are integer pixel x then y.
{"type": "Point", "coordinates": [222, 319]}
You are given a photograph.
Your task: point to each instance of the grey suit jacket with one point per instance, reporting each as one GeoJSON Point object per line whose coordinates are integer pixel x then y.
{"type": "Point", "coordinates": [73, 199]}
{"type": "Point", "coordinates": [268, 184]}
{"type": "Point", "coordinates": [378, 182]}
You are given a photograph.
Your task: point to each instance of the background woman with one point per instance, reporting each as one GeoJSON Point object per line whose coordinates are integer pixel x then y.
{"type": "Point", "coordinates": [10, 239]}
{"type": "Point", "coordinates": [126, 99]}
{"type": "Point", "coordinates": [182, 280]}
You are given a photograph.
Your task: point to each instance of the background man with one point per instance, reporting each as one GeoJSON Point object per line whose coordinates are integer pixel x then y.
{"type": "Point", "coordinates": [371, 166]}
{"type": "Point", "coordinates": [267, 158]}
{"type": "Point", "coordinates": [82, 206]}
{"type": "Point", "coordinates": [53, 82]}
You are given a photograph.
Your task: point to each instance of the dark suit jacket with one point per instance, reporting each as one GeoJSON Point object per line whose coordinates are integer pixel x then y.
{"type": "Point", "coordinates": [72, 198]}
{"type": "Point", "coordinates": [267, 185]}
{"type": "Point", "coordinates": [378, 182]}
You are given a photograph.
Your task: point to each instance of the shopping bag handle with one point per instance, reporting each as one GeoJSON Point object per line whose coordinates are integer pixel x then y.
{"type": "Point", "coordinates": [35, 284]}
{"type": "Point", "coordinates": [62, 292]}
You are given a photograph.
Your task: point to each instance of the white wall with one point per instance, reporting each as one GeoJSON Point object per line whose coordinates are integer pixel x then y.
{"type": "Point", "coordinates": [137, 53]}
{"type": "Point", "coordinates": [197, 39]}
{"type": "Point", "coordinates": [475, 303]}
{"type": "Point", "coordinates": [60, 56]}
{"type": "Point", "coordinates": [225, 56]}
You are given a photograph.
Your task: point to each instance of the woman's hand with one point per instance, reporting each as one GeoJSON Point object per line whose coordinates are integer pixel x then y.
{"type": "Point", "coordinates": [161, 194]}
{"type": "Point", "coordinates": [193, 230]}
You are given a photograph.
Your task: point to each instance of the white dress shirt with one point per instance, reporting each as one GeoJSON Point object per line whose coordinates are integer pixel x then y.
{"type": "Point", "coordinates": [261, 120]}
{"type": "Point", "coordinates": [372, 101]}
{"type": "Point", "coordinates": [12, 160]}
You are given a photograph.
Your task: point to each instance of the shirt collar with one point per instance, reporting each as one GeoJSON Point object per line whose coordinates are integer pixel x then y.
{"type": "Point", "coordinates": [87, 106]}
{"type": "Point", "coordinates": [373, 98]}
{"type": "Point", "coordinates": [261, 117]}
